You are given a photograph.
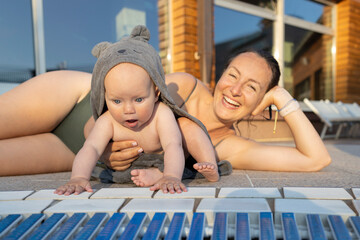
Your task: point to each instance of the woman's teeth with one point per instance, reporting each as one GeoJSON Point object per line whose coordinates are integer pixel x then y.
{"type": "Point", "coordinates": [232, 102]}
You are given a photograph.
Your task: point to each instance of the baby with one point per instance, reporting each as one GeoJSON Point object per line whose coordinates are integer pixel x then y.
{"type": "Point", "coordinates": [128, 82]}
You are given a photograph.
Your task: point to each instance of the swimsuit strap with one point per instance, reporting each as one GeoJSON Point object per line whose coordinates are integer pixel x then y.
{"type": "Point", "coordinates": [219, 143]}
{"type": "Point", "coordinates": [189, 94]}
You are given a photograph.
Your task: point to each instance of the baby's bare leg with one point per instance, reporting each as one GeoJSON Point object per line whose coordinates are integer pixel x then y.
{"type": "Point", "coordinates": [199, 146]}
{"type": "Point", "coordinates": [42, 153]}
{"type": "Point", "coordinates": [146, 177]}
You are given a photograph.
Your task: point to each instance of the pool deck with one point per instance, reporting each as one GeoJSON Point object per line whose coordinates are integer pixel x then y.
{"type": "Point", "coordinates": [343, 172]}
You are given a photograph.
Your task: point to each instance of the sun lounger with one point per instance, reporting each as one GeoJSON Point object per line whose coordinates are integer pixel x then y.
{"type": "Point", "coordinates": [354, 110]}
{"type": "Point", "coordinates": [330, 114]}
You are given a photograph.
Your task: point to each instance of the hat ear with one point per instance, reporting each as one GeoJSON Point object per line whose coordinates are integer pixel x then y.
{"type": "Point", "coordinates": [96, 51]}
{"type": "Point", "coordinates": [140, 32]}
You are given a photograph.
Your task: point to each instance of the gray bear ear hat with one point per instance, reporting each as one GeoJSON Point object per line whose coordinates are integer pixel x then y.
{"type": "Point", "coordinates": [133, 49]}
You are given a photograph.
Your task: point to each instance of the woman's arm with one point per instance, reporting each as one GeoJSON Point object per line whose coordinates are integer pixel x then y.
{"type": "Point", "coordinates": [309, 154]}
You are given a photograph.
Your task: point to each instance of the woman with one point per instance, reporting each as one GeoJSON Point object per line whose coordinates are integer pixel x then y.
{"type": "Point", "coordinates": [247, 87]}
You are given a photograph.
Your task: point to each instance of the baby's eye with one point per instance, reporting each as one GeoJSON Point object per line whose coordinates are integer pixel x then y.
{"type": "Point", "coordinates": [116, 101]}
{"type": "Point", "coordinates": [139, 100]}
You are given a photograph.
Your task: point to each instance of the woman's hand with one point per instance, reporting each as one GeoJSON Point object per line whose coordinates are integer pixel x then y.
{"type": "Point", "coordinates": [277, 96]}
{"type": "Point", "coordinates": [169, 184]}
{"type": "Point", "coordinates": [74, 186]}
{"type": "Point", "coordinates": [120, 155]}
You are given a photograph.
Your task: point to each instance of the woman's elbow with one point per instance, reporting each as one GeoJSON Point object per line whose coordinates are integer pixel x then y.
{"type": "Point", "coordinates": [320, 163]}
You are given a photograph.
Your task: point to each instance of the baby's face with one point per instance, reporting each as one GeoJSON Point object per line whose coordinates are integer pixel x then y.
{"type": "Point", "coordinates": [130, 95]}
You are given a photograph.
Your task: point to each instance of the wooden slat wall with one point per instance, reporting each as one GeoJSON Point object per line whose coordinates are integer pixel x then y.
{"type": "Point", "coordinates": [184, 18]}
{"type": "Point", "coordinates": [326, 84]}
{"type": "Point", "coordinates": [183, 22]}
{"type": "Point", "coordinates": [348, 52]}
{"type": "Point", "coordinates": [164, 28]}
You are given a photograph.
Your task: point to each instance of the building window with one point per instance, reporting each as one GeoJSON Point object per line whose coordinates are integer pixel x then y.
{"type": "Point", "coordinates": [73, 28]}
{"type": "Point", "coordinates": [310, 11]}
{"type": "Point", "coordinates": [253, 33]}
{"type": "Point", "coordinates": [305, 25]}
{"type": "Point", "coordinates": [267, 4]}
{"type": "Point", "coordinates": [302, 90]}
{"type": "Point", "coordinates": [17, 62]}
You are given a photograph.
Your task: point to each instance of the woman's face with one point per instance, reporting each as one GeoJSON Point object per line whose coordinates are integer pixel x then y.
{"type": "Point", "coordinates": [241, 87]}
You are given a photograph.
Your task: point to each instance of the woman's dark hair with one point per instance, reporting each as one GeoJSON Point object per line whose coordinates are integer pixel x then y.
{"type": "Point", "coordinates": [270, 60]}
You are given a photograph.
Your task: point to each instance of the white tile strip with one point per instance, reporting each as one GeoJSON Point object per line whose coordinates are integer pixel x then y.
{"type": "Point", "coordinates": [356, 192]}
{"type": "Point", "coordinates": [14, 195]}
{"type": "Point", "coordinates": [316, 193]}
{"type": "Point", "coordinates": [233, 205]}
{"type": "Point", "coordinates": [137, 192]}
{"type": "Point", "coordinates": [49, 194]}
{"type": "Point", "coordinates": [301, 207]}
{"type": "Point", "coordinates": [23, 207]}
{"type": "Point", "coordinates": [356, 204]}
{"type": "Point", "coordinates": [193, 192]}
{"type": "Point", "coordinates": [230, 192]}
{"type": "Point", "coordinates": [151, 206]}
{"type": "Point", "coordinates": [89, 206]}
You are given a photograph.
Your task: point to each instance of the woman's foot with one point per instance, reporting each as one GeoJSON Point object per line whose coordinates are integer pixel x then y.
{"type": "Point", "coordinates": [208, 170]}
{"type": "Point", "coordinates": [146, 177]}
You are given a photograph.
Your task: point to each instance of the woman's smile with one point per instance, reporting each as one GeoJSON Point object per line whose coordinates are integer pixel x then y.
{"type": "Point", "coordinates": [230, 103]}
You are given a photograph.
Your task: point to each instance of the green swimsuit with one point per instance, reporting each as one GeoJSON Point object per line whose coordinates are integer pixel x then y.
{"type": "Point", "coordinates": [71, 129]}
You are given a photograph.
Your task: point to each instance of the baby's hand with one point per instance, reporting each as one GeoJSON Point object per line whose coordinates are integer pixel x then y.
{"type": "Point", "coordinates": [75, 186]}
{"type": "Point", "coordinates": [169, 184]}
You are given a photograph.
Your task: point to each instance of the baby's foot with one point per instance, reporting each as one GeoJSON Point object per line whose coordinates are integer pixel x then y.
{"type": "Point", "coordinates": [146, 177]}
{"type": "Point", "coordinates": [208, 170]}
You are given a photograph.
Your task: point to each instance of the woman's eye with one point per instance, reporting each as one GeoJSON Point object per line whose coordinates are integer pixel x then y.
{"type": "Point", "coordinates": [252, 88]}
{"type": "Point", "coordinates": [232, 75]}
{"type": "Point", "coordinates": [116, 101]}
{"type": "Point", "coordinates": [139, 100]}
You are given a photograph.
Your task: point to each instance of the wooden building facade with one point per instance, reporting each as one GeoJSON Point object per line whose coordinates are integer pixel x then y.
{"type": "Point", "coordinates": [184, 24]}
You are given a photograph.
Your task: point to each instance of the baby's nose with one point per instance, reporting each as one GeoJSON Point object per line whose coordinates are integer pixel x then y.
{"type": "Point", "coordinates": [129, 108]}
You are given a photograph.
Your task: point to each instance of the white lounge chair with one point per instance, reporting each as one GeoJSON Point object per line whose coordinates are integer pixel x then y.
{"type": "Point", "coordinates": [330, 115]}
{"type": "Point", "coordinates": [354, 110]}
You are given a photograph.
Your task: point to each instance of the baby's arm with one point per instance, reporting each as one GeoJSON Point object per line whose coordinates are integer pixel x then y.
{"type": "Point", "coordinates": [174, 160]}
{"type": "Point", "coordinates": [87, 157]}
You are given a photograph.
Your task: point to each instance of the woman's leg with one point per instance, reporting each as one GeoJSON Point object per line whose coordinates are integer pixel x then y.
{"type": "Point", "coordinates": [41, 153]}
{"type": "Point", "coordinates": [29, 112]}
{"type": "Point", "coordinates": [41, 103]}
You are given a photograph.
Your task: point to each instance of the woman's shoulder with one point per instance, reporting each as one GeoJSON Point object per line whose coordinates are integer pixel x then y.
{"type": "Point", "coordinates": [180, 82]}
{"type": "Point", "coordinates": [182, 85]}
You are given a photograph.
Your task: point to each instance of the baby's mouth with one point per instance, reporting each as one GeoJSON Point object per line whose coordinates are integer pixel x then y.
{"type": "Point", "coordinates": [231, 102]}
{"type": "Point", "coordinates": [131, 122]}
